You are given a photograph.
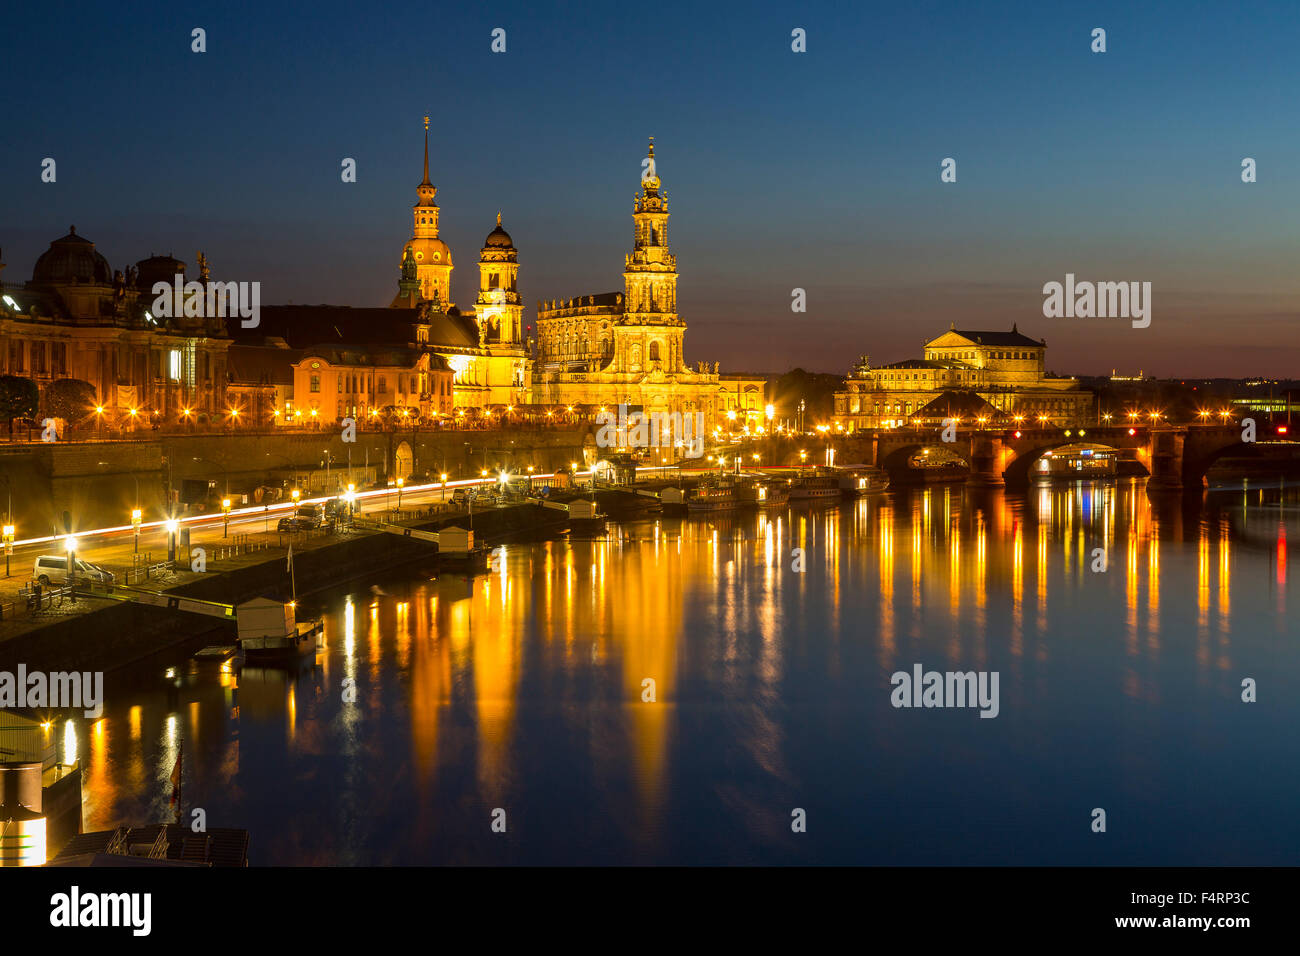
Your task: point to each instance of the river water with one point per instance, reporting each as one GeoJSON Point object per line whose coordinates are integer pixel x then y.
{"type": "Point", "coordinates": [437, 703]}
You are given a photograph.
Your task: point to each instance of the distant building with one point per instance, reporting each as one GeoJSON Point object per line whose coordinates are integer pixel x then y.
{"type": "Point", "coordinates": [77, 318]}
{"type": "Point", "coordinates": [1000, 374]}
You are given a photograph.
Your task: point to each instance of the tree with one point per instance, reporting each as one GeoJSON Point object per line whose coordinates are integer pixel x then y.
{"type": "Point", "coordinates": [19, 398]}
{"type": "Point", "coordinates": [70, 399]}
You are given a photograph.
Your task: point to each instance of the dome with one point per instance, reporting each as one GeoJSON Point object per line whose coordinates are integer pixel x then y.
{"type": "Point", "coordinates": [498, 238]}
{"type": "Point", "coordinates": [71, 259]}
{"type": "Point", "coordinates": [429, 252]}
{"type": "Point", "coordinates": [157, 269]}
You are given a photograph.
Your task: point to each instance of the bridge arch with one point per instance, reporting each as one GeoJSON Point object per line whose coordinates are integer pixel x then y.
{"type": "Point", "coordinates": [403, 460]}
{"type": "Point", "coordinates": [898, 461]}
{"type": "Point", "coordinates": [1200, 457]}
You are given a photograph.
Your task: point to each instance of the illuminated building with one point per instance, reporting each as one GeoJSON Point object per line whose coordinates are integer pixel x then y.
{"type": "Point", "coordinates": [627, 347]}
{"type": "Point", "coordinates": [1002, 372]}
{"type": "Point", "coordinates": [78, 319]}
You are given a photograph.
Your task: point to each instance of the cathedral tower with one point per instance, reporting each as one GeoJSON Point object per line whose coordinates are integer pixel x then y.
{"type": "Point", "coordinates": [498, 307]}
{"type": "Point", "coordinates": [651, 332]}
{"type": "Point", "coordinates": [432, 256]}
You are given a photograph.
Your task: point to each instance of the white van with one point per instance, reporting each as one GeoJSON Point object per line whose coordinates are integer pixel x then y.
{"type": "Point", "coordinates": [53, 569]}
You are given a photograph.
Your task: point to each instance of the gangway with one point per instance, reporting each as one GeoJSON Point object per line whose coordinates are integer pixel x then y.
{"type": "Point", "coordinates": [173, 602]}
{"type": "Point", "coordinates": [370, 524]}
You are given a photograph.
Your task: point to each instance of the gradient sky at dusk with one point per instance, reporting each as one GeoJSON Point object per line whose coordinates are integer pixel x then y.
{"type": "Point", "coordinates": [818, 170]}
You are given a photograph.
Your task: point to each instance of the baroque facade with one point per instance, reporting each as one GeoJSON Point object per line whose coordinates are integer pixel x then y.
{"type": "Point", "coordinates": [628, 347]}
{"type": "Point", "coordinates": [485, 345]}
{"type": "Point", "coordinates": [1003, 371]}
{"type": "Point", "coordinates": [78, 319]}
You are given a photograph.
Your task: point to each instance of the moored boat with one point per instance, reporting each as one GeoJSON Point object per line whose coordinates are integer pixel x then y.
{"type": "Point", "coordinates": [819, 484]}
{"type": "Point", "coordinates": [863, 480]}
{"type": "Point", "coordinates": [711, 496]}
{"type": "Point", "coordinates": [763, 493]}
{"type": "Point", "coordinates": [585, 518]}
{"type": "Point", "coordinates": [268, 631]}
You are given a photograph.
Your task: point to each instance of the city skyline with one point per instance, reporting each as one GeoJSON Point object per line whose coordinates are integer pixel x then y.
{"type": "Point", "coordinates": [769, 196]}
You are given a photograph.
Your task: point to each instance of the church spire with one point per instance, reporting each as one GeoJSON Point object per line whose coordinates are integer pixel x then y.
{"type": "Point", "coordinates": [426, 182]}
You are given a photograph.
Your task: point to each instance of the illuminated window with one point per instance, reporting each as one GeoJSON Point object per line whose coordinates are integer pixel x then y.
{"type": "Point", "coordinates": [315, 383]}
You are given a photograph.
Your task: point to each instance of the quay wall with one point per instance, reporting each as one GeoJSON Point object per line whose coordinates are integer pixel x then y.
{"type": "Point", "coordinates": [99, 482]}
{"type": "Point", "coordinates": [116, 635]}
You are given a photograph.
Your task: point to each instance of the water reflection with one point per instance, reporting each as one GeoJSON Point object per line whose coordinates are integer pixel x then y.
{"type": "Point", "coordinates": [436, 702]}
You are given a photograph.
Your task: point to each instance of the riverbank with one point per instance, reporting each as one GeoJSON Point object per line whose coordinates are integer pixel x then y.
{"type": "Point", "coordinates": [100, 634]}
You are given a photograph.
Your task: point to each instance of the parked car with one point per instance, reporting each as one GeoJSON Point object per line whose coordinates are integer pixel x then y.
{"type": "Point", "coordinates": [53, 569]}
{"type": "Point", "coordinates": [305, 518]}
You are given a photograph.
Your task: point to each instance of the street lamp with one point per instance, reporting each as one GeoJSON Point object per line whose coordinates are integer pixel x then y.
{"type": "Point", "coordinates": [9, 545]}
{"type": "Point", "coordinates": [71, 545]}
{"type": "Point", "coordinates": [135, 524]}
{"type": "Point", "coordinates": [443, 495]}
{"type": "Point", "coordinates": [400, 483]}
{"type": "Point", "coordinates": [352, 498]}
{"type": "Point", "coordinates": [172, 525]}
{"type": "Point", "coordinates": [225, 507]}
{"type": "Point", "coordinates": [99, 419]}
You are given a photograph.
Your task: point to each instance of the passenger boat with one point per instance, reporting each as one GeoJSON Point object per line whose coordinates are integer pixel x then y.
{"type": "Point", "coordinates": [816, 485]}
{"type": "Point", "coordinates": [712, 496]}
{"type": "Point", "coordinates": [863, 480]}
{"type": "Point", "coordinates": [764, 494]}
{"type": "Point", "coordinates": [268, 631]}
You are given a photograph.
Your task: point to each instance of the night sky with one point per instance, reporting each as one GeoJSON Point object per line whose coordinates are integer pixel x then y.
{"type": "Point", "coordinates": [816, 170]}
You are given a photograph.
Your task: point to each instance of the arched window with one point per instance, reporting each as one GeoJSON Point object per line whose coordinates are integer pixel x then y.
{"type": "Point", "coordinates": [654, 351]}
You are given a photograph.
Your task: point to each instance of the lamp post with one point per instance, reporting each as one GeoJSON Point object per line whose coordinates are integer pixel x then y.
{"type": "Point", "coordinates": [352, 499]}
{"type": "Point", "coordinates": [225, 508]}
{"type": "Point", "coordinates": [71, 545]}
{"type": "Point", "coordinates": [135, 524]}
{"type": "Point", "coordinates": [172, 526]}
{"type": "Point", "coordinates": [443, 495]}
{"type": "Point", "coordinates": [400, 482]}
{"type": "Point", "coordinates": [9, 545]}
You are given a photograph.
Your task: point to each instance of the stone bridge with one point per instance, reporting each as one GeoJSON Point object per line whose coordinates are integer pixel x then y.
{"type": "Point", "coordinates": [1175, 456]}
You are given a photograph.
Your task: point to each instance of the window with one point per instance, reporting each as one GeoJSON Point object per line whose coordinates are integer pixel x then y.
{"type": "Point", "coordinates": [38, 357]}
{"type": "Point", "coordinates": [383, 385]}
{"type": "Point", "coordinates": [338, 380]}
{"type": "Point", "coordinates": [59, 357]}
{"type": "Point", "coordinates": [315, 383]}
{"type": "Point", "coordinates": [654, 351]}
{"type": "Point", "coordinates": [174, 365]}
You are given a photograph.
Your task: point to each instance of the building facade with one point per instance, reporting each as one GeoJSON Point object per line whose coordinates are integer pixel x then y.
{"type": "Point", "coordinates": [485, 345]}
{"type": "Point", "coordinates": [331, 384]}
{"type": "Point", "coordinates": [628, 347]}
{"type": "Point", "coordinates": [78, 319]}
{"type": "Point", "coordinates": [1004, 371]}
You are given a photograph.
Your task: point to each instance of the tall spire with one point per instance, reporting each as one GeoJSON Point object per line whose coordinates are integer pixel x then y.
{"type": "Point", "coordinates": [426, 153]}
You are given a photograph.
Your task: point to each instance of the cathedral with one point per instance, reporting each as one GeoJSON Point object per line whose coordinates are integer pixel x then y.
{"type": "Point", "coordinates": [591, 351]}
{"type": "Point", "coordinates": [627, 347]}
